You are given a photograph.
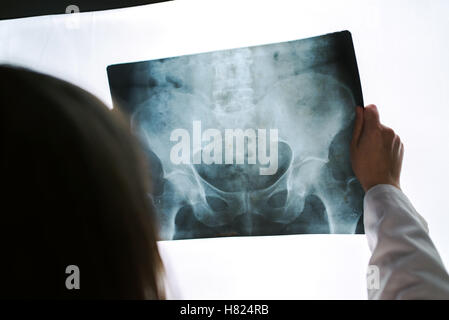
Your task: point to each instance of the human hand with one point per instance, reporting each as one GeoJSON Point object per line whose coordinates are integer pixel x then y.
{"type": "Point", "coordinates": [376, 151]}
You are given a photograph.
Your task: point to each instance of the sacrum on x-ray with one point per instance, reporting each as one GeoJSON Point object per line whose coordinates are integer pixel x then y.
{"type": "Point", "coordinates": [248, 141]}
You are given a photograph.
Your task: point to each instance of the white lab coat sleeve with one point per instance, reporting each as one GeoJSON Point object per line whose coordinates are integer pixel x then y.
{"type": "Point", "coordinates": [408, 264]}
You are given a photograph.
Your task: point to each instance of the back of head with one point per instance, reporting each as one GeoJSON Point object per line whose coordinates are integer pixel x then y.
{"type": "Point", "coordinates": [74, 193]}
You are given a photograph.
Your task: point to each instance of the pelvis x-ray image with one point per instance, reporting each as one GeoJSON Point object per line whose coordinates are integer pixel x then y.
{"type": "Point", "coordinates": [251, 141]}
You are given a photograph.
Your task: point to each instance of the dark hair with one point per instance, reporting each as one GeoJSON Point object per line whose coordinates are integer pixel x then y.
{"type": "Point", "coordinates": [75, 192]}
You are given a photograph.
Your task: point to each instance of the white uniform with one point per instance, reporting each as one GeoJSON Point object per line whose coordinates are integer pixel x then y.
{"type": "Point", "coordinates": [408, 263]}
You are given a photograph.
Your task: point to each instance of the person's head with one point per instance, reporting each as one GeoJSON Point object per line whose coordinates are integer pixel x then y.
{"type": "Point", "coordinates": [74, 193]}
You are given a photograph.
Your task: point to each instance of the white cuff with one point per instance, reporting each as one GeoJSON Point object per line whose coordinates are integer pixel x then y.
{"type": "Point", "coordinates": [386, 199]}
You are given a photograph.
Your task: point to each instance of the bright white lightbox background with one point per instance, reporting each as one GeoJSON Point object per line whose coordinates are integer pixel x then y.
{"type": "Point", "coordinates": [402, 49]}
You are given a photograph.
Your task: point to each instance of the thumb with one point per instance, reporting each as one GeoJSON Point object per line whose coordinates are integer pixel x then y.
{"type": "Point", "coordinates": [371, 116]}
{"type": "Point", "coordinates": [358, 126]}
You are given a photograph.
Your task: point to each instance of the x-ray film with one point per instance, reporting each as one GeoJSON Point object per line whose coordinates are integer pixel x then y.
{"type": "Point", "coordinates": [250, 141]}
